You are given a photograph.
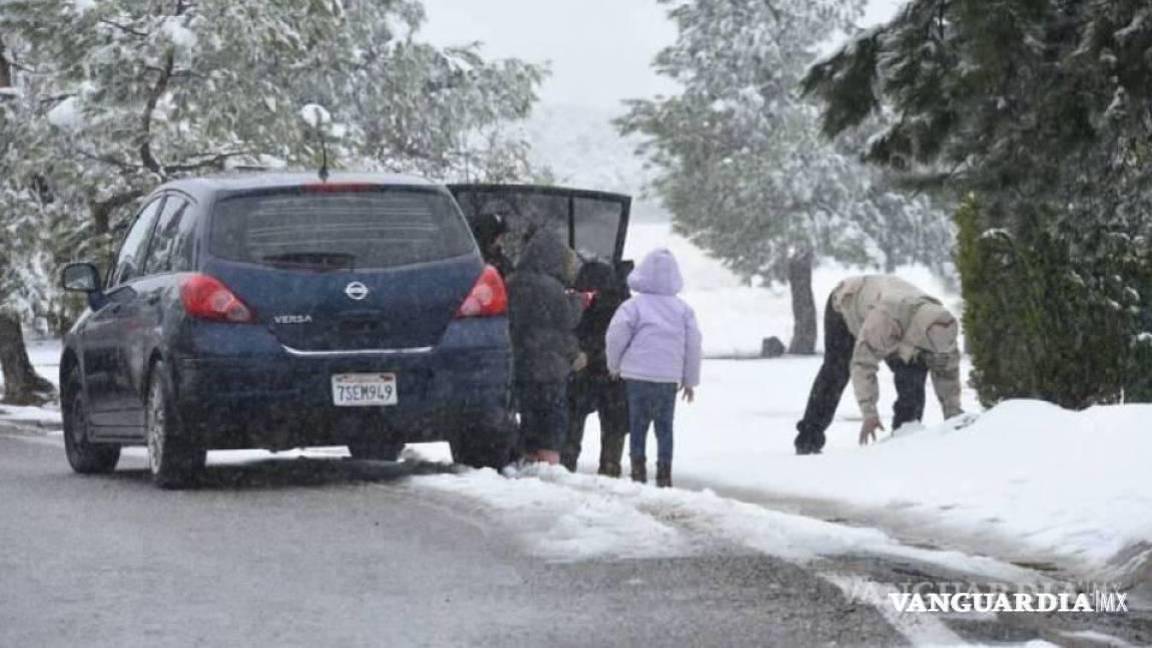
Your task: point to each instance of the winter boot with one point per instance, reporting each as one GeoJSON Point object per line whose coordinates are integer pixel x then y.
{"type": "Point", "coordinates": [569, 462]}
{"type": "Point", "coordinates": [664, 474]}
{"type": "Point", "coordinates": [639, 470]}
{"type": "Point", "coordinates": [611, 453]}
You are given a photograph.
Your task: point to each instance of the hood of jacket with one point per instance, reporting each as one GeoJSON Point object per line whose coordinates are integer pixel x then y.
{"type": "Point", "coordinates": [547, 254]}
{"type": "Point", "coordinates": [657, 274]}
{"type": "Point", "coordinates": [933, 329]}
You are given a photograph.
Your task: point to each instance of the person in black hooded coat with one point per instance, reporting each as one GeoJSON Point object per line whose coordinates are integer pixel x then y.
{"type": "Point", "coordinates": [543, 316]}
{"type": "Point", "coordinates": [592, 389]}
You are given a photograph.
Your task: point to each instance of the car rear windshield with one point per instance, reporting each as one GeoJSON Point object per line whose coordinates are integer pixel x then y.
{"type": "Point", "coordinates": [378, 228]}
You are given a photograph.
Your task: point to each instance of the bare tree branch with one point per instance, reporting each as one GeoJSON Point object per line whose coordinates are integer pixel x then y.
{"type": "Point", "coordinates": [102, 210]}
{"type": "Point", "coordinates": [147, 157]}
{"type": "Point", "coordinates": [108, 159]}
{"type": "Point", "coordinates": [124, 28]}
{"type": "Point", "coordinates": [215, 161]}
{"type": "Point", "coordinates": [5, 68]}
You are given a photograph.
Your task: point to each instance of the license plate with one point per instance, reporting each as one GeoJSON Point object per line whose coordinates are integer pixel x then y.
{"type": "Point", "coordinates": [364, 390]}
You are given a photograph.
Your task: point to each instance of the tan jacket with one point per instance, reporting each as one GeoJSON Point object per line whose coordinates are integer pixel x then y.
{"type": "Point", "coordinates": [889, 316]}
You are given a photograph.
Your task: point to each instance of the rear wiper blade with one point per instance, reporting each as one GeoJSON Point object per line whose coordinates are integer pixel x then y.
{"type": "Point", "coordinates": [317, 260]}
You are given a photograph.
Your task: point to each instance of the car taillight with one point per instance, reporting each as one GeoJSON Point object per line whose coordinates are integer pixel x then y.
{"type": "Point", "coordinates": [488, 297]}
{"type": "Point", "coordinates": [205, 297]}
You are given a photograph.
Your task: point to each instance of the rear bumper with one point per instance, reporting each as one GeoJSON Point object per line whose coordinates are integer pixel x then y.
{"type": "Point", "coordinates": [274, 398]}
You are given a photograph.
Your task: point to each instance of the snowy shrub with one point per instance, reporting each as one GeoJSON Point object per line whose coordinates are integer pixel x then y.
{"type": "Point", "coordinates": [1051, 317]}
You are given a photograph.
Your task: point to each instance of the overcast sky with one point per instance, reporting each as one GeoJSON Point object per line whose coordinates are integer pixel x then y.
{"type": "Point", "coordinates": [600, 51]}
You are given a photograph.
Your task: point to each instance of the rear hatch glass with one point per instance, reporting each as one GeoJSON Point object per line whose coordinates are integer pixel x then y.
{"type": "Point", "coordinates": [346, 269]}
{"type": "Point", "coordinates": [366, 229]}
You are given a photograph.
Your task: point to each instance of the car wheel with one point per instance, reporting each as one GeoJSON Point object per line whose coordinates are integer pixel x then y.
{"type": "Point", "coordinates": [84, 456]}
{"type": "Point", "coordinates": [489, 446]}
{"type": "Point", "coordinates": [375, 449]}
{"type": "Point", "coordinates": [173, 460]}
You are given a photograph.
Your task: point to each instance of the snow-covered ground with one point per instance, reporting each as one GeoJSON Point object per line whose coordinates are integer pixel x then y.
{"type": "Point", "coordinates": [581, 516]}
{"type": "Point", "coordinates": [45, 356]}
{"type": "Point", "coordinates": [1025, 482]}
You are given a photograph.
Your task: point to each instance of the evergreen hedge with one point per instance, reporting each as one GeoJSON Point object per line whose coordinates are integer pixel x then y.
{"type": "Point", "coordinates": [1053, 314]}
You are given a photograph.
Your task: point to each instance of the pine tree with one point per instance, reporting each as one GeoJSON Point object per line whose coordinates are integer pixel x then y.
{"type": "Point", "coordinates": [1042, 110]}
{"type": "Point", "coordinates": [741, 163]}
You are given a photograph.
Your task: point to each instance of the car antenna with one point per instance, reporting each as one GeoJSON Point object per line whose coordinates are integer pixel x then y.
{"type": "Point", "coordinates": [323, 156]}
{"type": "Point", "coordinates": [315, 116]}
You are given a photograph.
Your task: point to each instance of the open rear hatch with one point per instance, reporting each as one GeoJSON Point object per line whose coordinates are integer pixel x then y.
{"type": "Point", "coordinates": [348, 267]}
{"type": "Point", "coordinates": [594, 223]}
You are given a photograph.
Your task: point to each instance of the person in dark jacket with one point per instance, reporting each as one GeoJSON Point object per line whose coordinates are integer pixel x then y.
{"type": "Point", "coordinates": [489, 227]}
{"type": "Point", "coordinates": [592, 389]}
{"type": "Point", "coordinates": [543, 316]}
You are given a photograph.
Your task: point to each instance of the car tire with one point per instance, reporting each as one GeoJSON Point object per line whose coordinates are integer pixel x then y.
{"type": "Point", "coordinates": [173, 459]}
{"type": "Point", "coordinates": [375, 449]}
{"type": "Point", "coordinates": [488, 446]}
{"type": "Point", "coordinates": [85, 457]}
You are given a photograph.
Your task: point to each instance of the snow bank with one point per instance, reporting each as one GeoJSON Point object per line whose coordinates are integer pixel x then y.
{"type": "Point", "coordinates": [1026, 481]}
{"type": "Point", "coordinates": [1073, 485]}
{"type": "Point", "coordinates": [48, 416]}
{"type": "Point", "coordinates": [565, 517]}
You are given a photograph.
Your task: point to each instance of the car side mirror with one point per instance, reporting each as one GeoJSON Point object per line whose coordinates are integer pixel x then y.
{"type": "Point", "coordinates": [81, 277]}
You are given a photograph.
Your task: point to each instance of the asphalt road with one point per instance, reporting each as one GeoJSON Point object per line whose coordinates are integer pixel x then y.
{"type": "Point", "coordinates": [345, 553]}
{"type": "Point", "coordinates": [339, 553]}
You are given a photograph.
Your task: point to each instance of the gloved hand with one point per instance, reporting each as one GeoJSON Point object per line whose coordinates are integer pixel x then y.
{"type": "Point", "coordinates": [580, 362]}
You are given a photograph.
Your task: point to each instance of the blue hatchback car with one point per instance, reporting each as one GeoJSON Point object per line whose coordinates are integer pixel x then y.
{"type": "Point", "coordinates": [277, 310]}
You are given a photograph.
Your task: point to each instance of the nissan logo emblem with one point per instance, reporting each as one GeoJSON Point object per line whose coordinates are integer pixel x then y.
{"type": "Point", "coordinates": [356, 290]}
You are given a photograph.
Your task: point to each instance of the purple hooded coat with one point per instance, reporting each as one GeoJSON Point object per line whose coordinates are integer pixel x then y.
{"type": "Point", "coordinates": [654, 336]}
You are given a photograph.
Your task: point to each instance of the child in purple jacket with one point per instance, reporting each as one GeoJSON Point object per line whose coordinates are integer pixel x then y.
{"type": "Point", "coordinates": [654, 343]}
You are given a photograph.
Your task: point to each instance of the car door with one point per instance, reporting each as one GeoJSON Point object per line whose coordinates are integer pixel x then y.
{"type": "Point", "coordinates": [152, 290]}
{"type": "Point", "coordinates": [106, 339]}
{"type": "Point", "coordinates": [594, 223]}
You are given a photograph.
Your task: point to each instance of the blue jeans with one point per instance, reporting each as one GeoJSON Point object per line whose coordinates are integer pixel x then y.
{"type": "Point", "coordinates": [651, 403]}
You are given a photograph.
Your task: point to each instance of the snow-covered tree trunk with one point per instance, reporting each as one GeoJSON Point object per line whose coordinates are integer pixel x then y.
{"type": "Point", "coordinates": [803, 303]}
{"type": "Point", "coordinates": [5, 68]}
{"type": "Point", "coordinates": [22, 385]}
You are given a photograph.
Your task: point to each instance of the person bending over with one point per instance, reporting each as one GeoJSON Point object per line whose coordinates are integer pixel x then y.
{"type": "Point", "coordinates": [882, 318]}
